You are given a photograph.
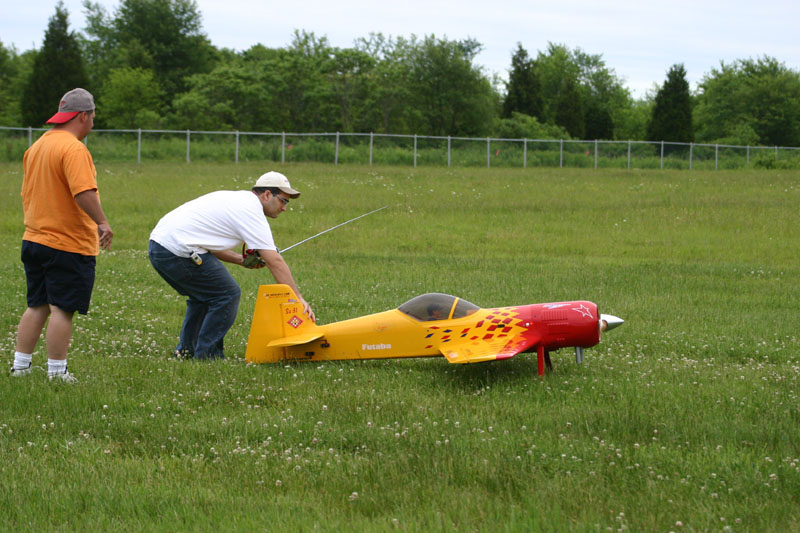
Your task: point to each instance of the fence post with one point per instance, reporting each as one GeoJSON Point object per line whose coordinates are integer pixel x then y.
{"type": "Point", "coordinates": [188, 144]}
{"type": "Point", "coordinates": [716, 157]}
{"type": "Point", "coordinates": [336, 156]}
{"type": "Point", "coordinates": [237, 147]}
{"type": "Point", "coordinates": [776, 153]}
{"type": "Point", "coordinates": [415, 150]}
{"type": "Point", "coordinates": [371, 135]}
{"type": "Point", "coordinates": [448, 151]}
{"type": "Point", "coordinates": [139, 147]}
{"type": "Point", "coordinates": [525, 153]}
{"type": "Point", "coordinates": [30, 136]}
{"type": "Point", "coordinates": [488, 153]}
{"type": "Point", "coordinates": [691, 154]}
{"type": "Point", "coordinates": [561, 155]}
{"type": "Point", "coordinates": [662, 155]}
{"type": "Point", "coordinates": [595, 154]}
{"type": "Point", "coordinates": [629, 154]}
{"type": "Point", "coordinates": [748, 154]}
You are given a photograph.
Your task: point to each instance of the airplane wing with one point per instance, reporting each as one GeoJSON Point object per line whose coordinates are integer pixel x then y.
{"type": "Point", "coordinates": [294, 340]}
{"type": "Point", "coordinates": [480, 351]}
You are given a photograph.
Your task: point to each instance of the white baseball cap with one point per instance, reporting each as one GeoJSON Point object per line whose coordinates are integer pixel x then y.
{"type": "Point", "coordinates": [276, 179]}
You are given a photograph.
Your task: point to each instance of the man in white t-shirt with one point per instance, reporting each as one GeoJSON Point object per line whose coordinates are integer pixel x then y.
{"type": "Point", "coordinates": [189, 242]}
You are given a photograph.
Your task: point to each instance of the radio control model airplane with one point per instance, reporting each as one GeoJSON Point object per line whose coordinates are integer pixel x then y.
{"type": "Point", "coordinates": [429, 325]}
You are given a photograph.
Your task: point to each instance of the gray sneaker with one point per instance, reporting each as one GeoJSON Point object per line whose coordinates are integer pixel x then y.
{"type": "Point", "coordinates": [64, 377]}
{"type": "Point", "coordinates": [19, 372]}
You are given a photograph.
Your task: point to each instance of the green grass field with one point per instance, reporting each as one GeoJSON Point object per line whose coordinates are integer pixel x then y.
{"type": "Point", "coordinates": [686, 418]}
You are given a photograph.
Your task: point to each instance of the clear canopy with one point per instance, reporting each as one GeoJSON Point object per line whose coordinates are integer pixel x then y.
{"type": "Point", "coordinates": [437, 306]}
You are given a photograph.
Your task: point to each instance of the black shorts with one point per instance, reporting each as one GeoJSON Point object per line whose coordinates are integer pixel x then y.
{"type": "Point", "coordinates": [56, 277]}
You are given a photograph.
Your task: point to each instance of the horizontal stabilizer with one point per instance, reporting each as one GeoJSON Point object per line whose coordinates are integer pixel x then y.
{"type": "Point", "coordinates": [295, 340]}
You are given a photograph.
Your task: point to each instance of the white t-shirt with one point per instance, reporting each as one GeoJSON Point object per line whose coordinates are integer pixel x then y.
{"type": "Point", "coordinates": [217, 221]}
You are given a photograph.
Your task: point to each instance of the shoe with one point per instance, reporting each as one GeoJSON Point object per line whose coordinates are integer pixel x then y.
{"type": "Point", "coordinates": [64, 377]}
{"type": "Point", "coordinates": [19, 372]}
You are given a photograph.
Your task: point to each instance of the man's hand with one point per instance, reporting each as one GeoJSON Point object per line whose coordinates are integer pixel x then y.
{"type": "Point", "coordinates": [106, 235]}
{"type": "Point", "coordinates": [307, 310]}
{"type": "Point", "coordinates": [282, 274]}
{"type": "Point", "coordinates": [251, 259]}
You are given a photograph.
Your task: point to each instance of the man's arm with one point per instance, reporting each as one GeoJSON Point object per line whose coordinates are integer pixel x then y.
{"type": "Point", "coordinates": [90, 203]}
{"type": "Point", "coordinates": [282, 274]}
{"type": "Point", "coordinates": [229, 256]}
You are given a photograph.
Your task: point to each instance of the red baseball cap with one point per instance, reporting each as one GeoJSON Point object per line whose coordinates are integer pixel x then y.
{"type": "Point", "coordinates": [74, 102]}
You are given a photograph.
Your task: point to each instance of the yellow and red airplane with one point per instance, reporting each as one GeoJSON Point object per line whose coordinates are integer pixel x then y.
{"type": "Point", "coordinates": [429, 325]}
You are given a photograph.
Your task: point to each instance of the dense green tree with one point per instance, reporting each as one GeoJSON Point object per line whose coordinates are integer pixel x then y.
{"type": "Point", "coordinates": [601, 98]}
{"type": "Point", "coordinates": [672, 111]}
{"type": "Point", "coordinates": [348, 73]}
{"type": "Point", "coordinates": [301, 87]}
{"type": "Point", "coordinates": [522, 126]}
{"type": "Point", "coordinates": [386, 108]}
{"type": "Point", "coordinates": [603, 95]}
{"type": "Point", "coordinates": [569, 109]}
{"type": "Point", "coordinates": [308, 86]}
{"type": "Point", "coordinates": [164, 36]}
{"type": "Point", "coordinates": [557, 71]}
{"type": "Point", "coordinates": [597, 121]}
{"type": "Point", "coordinates": [632, 120]}
{"type": "Point", "coordinates": [57, 68]}
{"type": "Point", "coordinates": [14, 86]}
{"type": "Point", "coordinates": [750, 100]}
{"type": "Point", "coordinates": [130, 99]}
{"type": "Point", "coordinates": [452, 95]}
{"type": "Point", "coordinates": [231, 97]}
{"type": "Point", "coordinates": [523, 90]}
{"type": "Point", "coordinates": [386, 85]}
{"type": "Point", "coordinates": [9, 99]}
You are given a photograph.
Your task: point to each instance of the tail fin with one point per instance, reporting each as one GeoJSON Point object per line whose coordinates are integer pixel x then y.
{"type": "Point", "coordinates": [277, 314]}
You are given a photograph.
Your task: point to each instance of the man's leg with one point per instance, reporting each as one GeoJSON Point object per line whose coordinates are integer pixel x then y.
{"type": "Point", "coordinates": [220, 294]}
{"type": "Point", "coordinates": [59, 333]}
{"type": "Point", "coordinates": [192, 321]}
{"type": "Point", "coordinates": [30, 327]}
{"type": "Point", "coordinates": [218, 320]}
{"type": "Point", "coordinates": [64, 280]}
{"type": "Point", "coordinates": [58, 337]}
{"type": "Point", "coordinates": [213, 298]}
{"type": "Point", "coordinates": [177, 271]}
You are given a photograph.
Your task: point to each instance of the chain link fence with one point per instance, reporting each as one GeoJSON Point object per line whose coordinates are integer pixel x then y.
{"type": "Point", "coordinates": [411, 150]}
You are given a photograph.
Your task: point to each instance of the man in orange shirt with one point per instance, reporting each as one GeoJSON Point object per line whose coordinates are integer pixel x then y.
{"type": "Point", "coordinates": [65, 227]}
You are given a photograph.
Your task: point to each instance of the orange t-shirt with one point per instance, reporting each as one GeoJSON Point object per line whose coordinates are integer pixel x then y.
{"type": "Point", "coordinates": [56, 168]}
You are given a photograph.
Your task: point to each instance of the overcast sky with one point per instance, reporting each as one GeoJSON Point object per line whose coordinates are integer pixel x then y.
{"type": "Point", "coordinates": [639, 41]}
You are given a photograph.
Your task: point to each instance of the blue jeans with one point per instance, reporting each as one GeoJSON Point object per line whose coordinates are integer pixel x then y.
{"type": "Point", "coordinates": [212, 304]}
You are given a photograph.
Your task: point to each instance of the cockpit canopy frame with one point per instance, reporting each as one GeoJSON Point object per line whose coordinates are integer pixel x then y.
{"type": "Point", "coordinates": [437, 306]}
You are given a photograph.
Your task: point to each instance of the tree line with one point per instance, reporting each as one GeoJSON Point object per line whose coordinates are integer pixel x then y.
{"type": "Point", "coordinates": [151, 66]}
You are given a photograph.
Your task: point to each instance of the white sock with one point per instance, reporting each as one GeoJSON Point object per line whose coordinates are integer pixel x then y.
{"type": "Point", "coordinates": [22, 360]}
{"type": "Point", "coordinates": [56, 366]}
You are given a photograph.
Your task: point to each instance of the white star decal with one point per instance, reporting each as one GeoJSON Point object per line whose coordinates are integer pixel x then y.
{"type": "Point", "coordinates": [583, 310]}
